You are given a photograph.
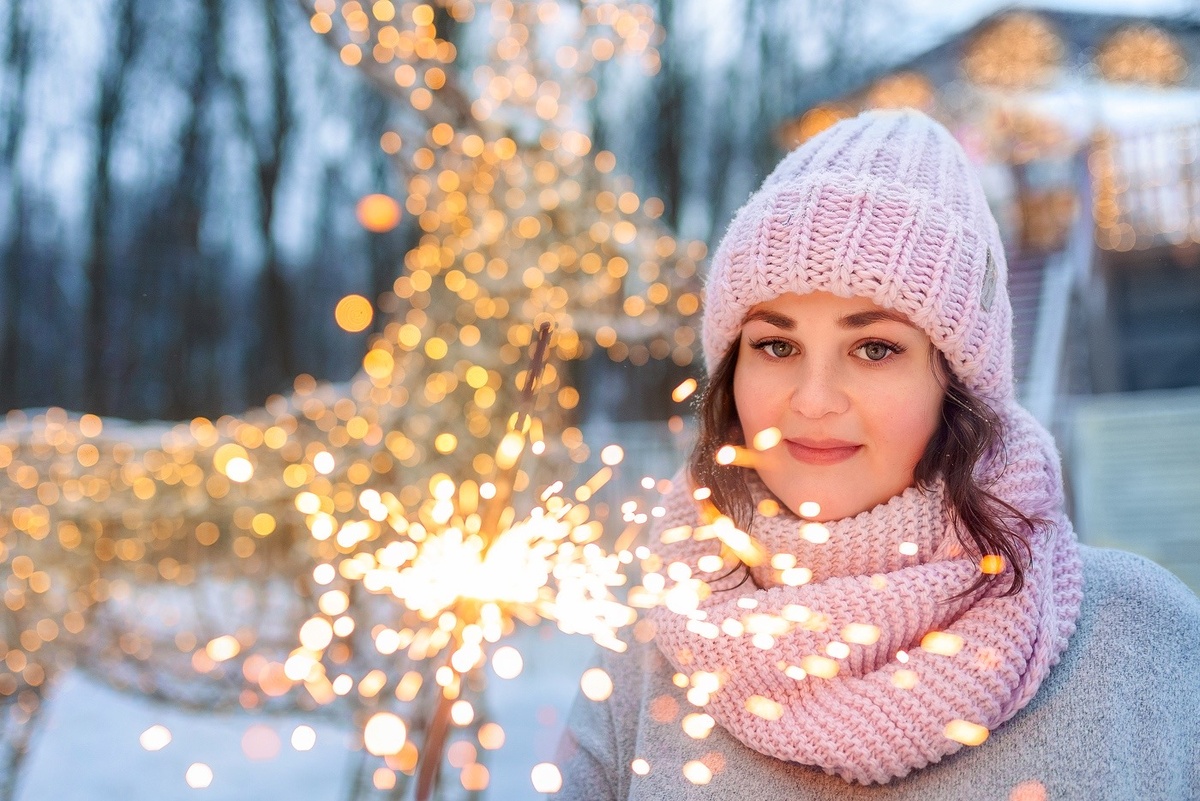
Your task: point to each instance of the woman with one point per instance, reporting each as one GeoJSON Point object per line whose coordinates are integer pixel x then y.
{"type": "Point", "coordinates": [913, 617]}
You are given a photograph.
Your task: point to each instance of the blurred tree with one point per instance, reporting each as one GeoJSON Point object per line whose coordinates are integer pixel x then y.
{"type": "Point", "coordinates": [162, 255]}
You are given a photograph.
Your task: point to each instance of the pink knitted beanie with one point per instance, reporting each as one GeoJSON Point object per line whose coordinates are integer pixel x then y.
{"type": "Point", "coordinates": [883, 206]}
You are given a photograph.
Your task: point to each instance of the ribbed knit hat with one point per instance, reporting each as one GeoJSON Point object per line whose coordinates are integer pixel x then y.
{"type": "Point", "coordinates": [884, 206]}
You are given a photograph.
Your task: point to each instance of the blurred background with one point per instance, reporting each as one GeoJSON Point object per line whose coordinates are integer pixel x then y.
{"type": "Point", "coordinates": [211, 210]}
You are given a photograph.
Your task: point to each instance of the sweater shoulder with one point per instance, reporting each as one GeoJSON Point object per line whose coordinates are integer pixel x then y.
{"type": "Point", "coordinates": [1120, 578]}
{"type": "Point", "coordinates": [1133, 603]}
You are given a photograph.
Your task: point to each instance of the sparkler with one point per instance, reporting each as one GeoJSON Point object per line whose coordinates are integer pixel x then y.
{"type": "Point", "coordinates": [467, 570]}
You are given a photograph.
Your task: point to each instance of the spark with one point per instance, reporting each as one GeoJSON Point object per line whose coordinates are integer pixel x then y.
{"type": "Point", "coordinates": [767, 438]}
{"type": "Point", "coordinates": [304, 738]}
{"type": "Point", "coordinates": [198, 775]}
{"type": "Point", "coordinates": [992, 564]}
{"type": "Point", "coordinates": [815, 533]}
{"type": "Point", "coordinates": [697, 772]}
{"type": "Point", "coordinates": [546, 778]}
{"type": "Point", "coordinates": [810, 509]}
{"type": "Point", "coordinates": [385, 734]}
{"type": "Point", "coordinates": [764, 707]}
{"type": "Point", "coordinates": [943, 643]}
{"type": "Point", "coordinates": [155, 738]}
{"type": "Point", "coordinates": [596, 684]}
{"type": "Point", "coordinates": [965, 732]}
{"type": "Point", "coordinates": [684, 390]}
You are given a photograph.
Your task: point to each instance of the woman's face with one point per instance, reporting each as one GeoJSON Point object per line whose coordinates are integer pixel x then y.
{"type": "Point", "coordinates": [852, 388]}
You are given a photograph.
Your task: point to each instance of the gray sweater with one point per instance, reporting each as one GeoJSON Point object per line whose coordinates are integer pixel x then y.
{"type": "Point", "coordinates": [1118, 718]}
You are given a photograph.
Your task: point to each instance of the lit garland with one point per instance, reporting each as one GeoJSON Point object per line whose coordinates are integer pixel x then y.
{"type": "Point", "coordinates": [1142, 54]}
{"type": "Point", "coordinates": [1019, 51]}
{"type": "Point", "coordinates": [177, 560]}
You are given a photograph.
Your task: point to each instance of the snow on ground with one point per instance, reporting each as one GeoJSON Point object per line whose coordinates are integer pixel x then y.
{"type": "Point", "coordinates": [88, 749]}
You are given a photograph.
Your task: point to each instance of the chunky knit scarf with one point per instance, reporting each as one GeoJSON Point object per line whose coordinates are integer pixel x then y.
{"type": "Point", "coordinates": [904, 700]}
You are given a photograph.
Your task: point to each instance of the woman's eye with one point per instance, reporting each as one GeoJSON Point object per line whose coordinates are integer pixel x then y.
{"type": "Point", "coordinates": [876, 351]}
{"type": "Point", "coordinates": [779, 349]}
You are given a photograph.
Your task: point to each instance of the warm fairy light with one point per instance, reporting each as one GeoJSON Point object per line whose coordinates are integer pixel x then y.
{"type": "Point", "coordinates": [546, 778]}
{"type": "Point", "coordinates": [198, 775]}
{"type": "Point", "coordinates": [155, 738]}
{"type": "Point", "coordinates": [820, 666]}
{"type": "Point", "coordinates": [904, 679]}
{"type": "Point", "coordinates": [223, 648]}
{"type": "Point", "coordinates": [810, 509]}
{"type": "Point", "coordinates": [942, 642]}
{"type": "Point", "coordinates": [837, 650]}
{"type": "Point", "coordinates": [491, 736]}
{"type": "Point", "coordinates": [732, 454]}
{"type": "Point", "coordinates": [815, 533]}
{"type": "Point", "coordinates": [908, 548]}
{"type": "Point", "coordinates": [992, 564]}
{"type": "Point", "coordinates": [697, 772]}
{"type": "Point", "coordinates": [764, 707]}
{"type": "Point", "coordinates": [1018, 51]}
{"type": "Point", "coordinates": [324, 463]}
{"type": "Point", "coordinates": [260, 743]}
{"type": "Point", "coordinates": [384, 734]}
{"type": "Point", "coordinates": [797, 131]}
{"type": "Point", "coordinates": [1142, 54]}
{"type": "Point", "coordinates": [1031, 790]}
{"type": "Point", "coordinates": [767, 438]}
{"type": "Point", "coordinates": [383, 779]}
{"type": "Point", "coordinates": [239, 470]}
{"type": "Point", "coordinates": [965, 732]}
{"type": "Point", "coordinates": [596, 684]}
{"type": "Point", "coordinates": [462, 713]}
{"type": "Point", "coordinates": [640, 766]}
{"type": "Point", "coordinates": [304, 738]}
{"type": "Point", "coordinates": [612, 455]}
{"type": "Point", "coordinates": [316, 634]}
{"type": "Point", "coordinates": [474, 777]}
{"type": "Point", "coordinates": [353, 313]}
{"type": "Point", "coordinates": [860, 633]}
{"type": "Point", "coordinates": [378, 213]}
{"type": "Point", "coordinates": [796, 576]}
{"type": "Point", "coordinates": [697, 725]}
{"type": "Point", "coordinates": [684, 390]}
{"type": "Point", "coordinates": [507, 662]}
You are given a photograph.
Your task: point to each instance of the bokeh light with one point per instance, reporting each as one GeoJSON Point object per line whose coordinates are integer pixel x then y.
{"type": "Point", "coordinates": [378, 213]}
{"type": "Point", "coordinates": [354, 313]}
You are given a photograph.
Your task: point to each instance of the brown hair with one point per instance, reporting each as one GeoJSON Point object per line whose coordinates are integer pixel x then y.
{"type": "Point", "coordinates": [969, 431]}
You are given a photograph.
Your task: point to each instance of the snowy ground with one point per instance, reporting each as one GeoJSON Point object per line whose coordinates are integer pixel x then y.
{"type": "Point", "coordinates": [88, 748]}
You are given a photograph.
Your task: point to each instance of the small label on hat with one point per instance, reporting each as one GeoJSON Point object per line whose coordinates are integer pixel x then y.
{"type": "Point", "coordinates": [988, 293]}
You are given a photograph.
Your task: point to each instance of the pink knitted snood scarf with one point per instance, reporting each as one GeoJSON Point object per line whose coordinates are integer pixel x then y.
{"type": "Point", "coordinates": [886, 711]}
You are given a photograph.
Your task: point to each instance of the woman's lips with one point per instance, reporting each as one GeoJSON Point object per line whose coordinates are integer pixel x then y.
{"type": "Point", "coordinates": [821, 452]}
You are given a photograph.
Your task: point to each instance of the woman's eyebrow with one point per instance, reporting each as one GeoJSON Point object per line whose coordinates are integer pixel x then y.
{"type": "Point", "coordinates": [865, 318]}
{"type": "Point", "coordinates": [773, 318]}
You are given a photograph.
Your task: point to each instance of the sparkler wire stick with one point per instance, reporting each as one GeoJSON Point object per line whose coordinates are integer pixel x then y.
{"type": "Point", "coordinates": [508, 455]}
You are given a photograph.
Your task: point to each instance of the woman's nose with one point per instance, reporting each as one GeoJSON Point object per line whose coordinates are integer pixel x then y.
{"type": "Point", "coordinates": [819, 390]}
